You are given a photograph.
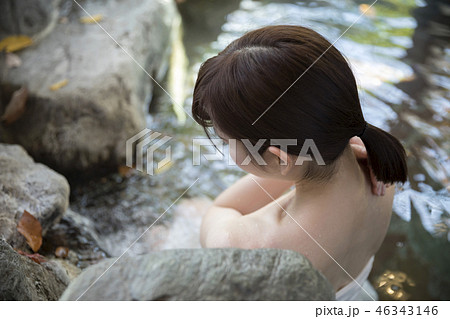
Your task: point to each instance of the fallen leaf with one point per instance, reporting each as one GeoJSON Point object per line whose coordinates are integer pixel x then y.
{"type": "Point", "coordinates": [37, 258]}
{"type": "Point", "coordinates": [367, 10]}
{"type": "Point", "coordinates": [88, 20]}
{"type": "Point", "coordinates": [15, 43]}
{"type": "Point", "coordinates": [12, 60]}
{"type": "Point", "coordinates": [31, 229]}
{"type": "Point", "coordinates": [16, 107]}
{"type": "Point", "coordinates": [61, 252]}
{"type": "Point", "coordinates": [56, 86]}
{"type": "Point", "coordinates": [125, 171]}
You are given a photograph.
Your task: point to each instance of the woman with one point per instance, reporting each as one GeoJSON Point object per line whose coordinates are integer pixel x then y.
{"type": "Point", "coordinates": [290, 85]}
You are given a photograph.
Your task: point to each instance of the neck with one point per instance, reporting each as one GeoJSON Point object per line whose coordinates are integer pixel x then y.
{"type": "Point", "coordinates": [348, 175]}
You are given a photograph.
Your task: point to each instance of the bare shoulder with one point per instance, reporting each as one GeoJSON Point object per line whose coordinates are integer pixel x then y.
{"type": "Point", "coordinates": [263, 228]}
{"type": "Point", "coordinates": [226, 227]}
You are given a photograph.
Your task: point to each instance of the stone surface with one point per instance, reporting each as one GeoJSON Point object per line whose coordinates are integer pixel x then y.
{"type": "Point", "coordinates": [32, 18]}
{"type": "Point", "coordinates": [203, 21]}
{"type": "Point", "coordinates": [23, 279]}
{"type": "Point", "coordinates": [77, 234]}
{"type": "Point", "coordinates": [204, 274]}
{"type": "Point", "coordinates": [26, 185]}
{"type": "Point", "coordinates": [83, 126]}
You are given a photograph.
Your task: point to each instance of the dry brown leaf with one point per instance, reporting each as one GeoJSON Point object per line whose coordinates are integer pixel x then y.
{"type": "Point", "coordinates": [88, 20]}
{"type": "Point", "coordinates": [15, 43]}
{"type": "Point", "coordinates": [16, 107]}
{"type": "Point", "coordinates": [31, 229]}
{"type": "Point", "coordinates": [37, 258]}
{"type": "Point", "coordinates": [56, 86]}
{"type": "Point", "coordinates": [61, 252]}
{"type": "Point", "coordinates": [125, 171]}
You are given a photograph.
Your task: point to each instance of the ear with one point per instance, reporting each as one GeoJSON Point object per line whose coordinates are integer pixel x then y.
{"type": "Point", "coordinates": [284, 160]}
{"type": "Point", "coordinates": [358, 148]}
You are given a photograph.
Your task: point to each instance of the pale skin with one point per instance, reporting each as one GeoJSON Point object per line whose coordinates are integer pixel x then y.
{"type": "Point", "coordinates": [348, 216]}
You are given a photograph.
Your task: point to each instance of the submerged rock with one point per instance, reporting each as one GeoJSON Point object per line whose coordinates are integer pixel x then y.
{"type": "Point", "coordinates": [77, 235]}
{"type": "Point", "coordinates": [83, 126]}
{"type": "Point", "coordinates": [26, 185]}
{"type": "Point", "coordinates": [203, 274]}
{"type": "Point", "coordinates": [23, 279]}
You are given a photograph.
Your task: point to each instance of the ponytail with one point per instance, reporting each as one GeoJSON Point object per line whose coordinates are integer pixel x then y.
{"type": "Point", "coordinates": [386, 156]}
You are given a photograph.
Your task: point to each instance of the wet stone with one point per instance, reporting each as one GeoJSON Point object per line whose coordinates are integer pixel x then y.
{"type": "Point", "coordinates": [204, 274]}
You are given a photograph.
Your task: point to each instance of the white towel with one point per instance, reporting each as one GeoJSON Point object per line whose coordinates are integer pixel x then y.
{"type": "Point", "coordinates": [360, 288]}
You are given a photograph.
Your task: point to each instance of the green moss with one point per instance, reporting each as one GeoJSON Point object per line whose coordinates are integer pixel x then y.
{"type": "Point", "coordinates": [394, 8]}
{"type": "Point", "coordinates": [381, 37]}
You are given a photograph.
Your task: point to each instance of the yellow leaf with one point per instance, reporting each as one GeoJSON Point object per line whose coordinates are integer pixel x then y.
{"type": "Point", "coordinates": [56, 86]}
{"type": "Point", "coordinates": [15, 43]}
{"type": "Point", "coordinates": [89, 20]}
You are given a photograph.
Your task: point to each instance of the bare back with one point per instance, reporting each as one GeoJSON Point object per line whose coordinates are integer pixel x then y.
{"type": "Point", "coordinates": [347, 225]}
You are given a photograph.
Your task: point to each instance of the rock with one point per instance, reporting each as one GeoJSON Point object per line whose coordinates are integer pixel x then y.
{"type": "Point", "coordinates": [121, 209]}
{"type": "Point", "coordinates": [26, 185]}
{"type": "Point", "coordinates": [203, 21]}
{"type": "Point", "coordinates": [77, 234]}
{"type": "Point", "coordinates": [23, 279]}
{"type": "Point", "coordinates": [31, 18]}
{"type": "Point", "coordinates": [83, 126]}
{"type": "Point", "coordinates": [70, 271]}
{"type": "Point", "coordinates": [204, 274]}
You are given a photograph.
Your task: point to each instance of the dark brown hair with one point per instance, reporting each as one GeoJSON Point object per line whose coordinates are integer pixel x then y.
{"type": "Point", "coordinates": [236, 86]}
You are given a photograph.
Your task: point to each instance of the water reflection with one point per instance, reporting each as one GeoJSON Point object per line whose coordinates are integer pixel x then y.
{"type": "Point", "coordinates": [394, 285]}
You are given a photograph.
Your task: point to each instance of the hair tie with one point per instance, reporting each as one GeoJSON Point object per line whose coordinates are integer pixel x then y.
{"type": "Point", "coordinates": [363, 131]}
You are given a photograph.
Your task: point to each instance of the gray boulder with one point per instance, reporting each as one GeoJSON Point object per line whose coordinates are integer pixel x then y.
{"type": "Point", "coordinates": [26, 185]}
{"type": "Point", "coordinates": [23, 279]}
{"type": "Point", "coordinates": [203, 274]}
{"type": "Point", "coordinates": [83, 126]}
{"type": "Point", "coordinates": [31, 18]}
